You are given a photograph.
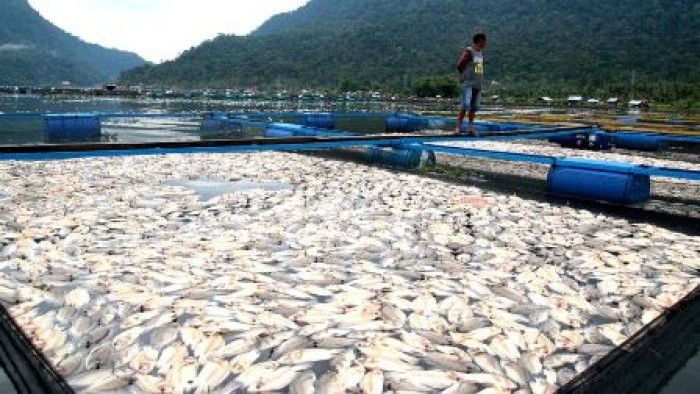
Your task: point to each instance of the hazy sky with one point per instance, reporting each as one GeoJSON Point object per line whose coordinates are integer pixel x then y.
{"type": "Point", "coordinates": [158, 29]}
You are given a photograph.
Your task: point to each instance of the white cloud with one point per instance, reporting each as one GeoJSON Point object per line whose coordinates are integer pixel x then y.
{"type": "Point", "coordinates": [159, 29]}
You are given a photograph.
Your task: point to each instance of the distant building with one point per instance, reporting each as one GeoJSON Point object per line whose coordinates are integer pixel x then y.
{"type": "Point", "coordinates": [66, 83]}
{"type": "Point", "coordinates": [593, 101]}
{"type": "Point", "coordinates": [575, 100]}
{"type": "Point", "coordinates": [546, 99]}
{"type": "Point", "coordinates": [641, 104]}
{"type": "Point", "coordinates": [613, 101]}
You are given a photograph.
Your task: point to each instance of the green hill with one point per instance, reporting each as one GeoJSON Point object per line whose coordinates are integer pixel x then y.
{"type": "Point", "coordinates": [389, 43]}
{"type": "Point", "coordinates": [35, 52]}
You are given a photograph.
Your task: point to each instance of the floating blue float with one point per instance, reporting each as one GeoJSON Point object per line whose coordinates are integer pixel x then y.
{"type": "Point", "coordinates": [401, 158]}
{"type": "Point", "coordinates": [213, 122]}
{"type": "Point", "coordinates": [321, 120]}
{"type": "Point", "coordinates": [278, 133]}
{"type": "Point", "coordinates": [72, 128]}
{"type": "Point", "coordinates": [599, 141]}
{"type": "Point", "coordinates": [592, 141]}
{"type": "Point", "coordinates": [639, 141]}
{"type": "Point", "coordinates": [578, 140]}
{"type": "Point", "coordinates": [598, 180]}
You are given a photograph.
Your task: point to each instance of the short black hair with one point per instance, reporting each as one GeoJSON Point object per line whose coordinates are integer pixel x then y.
{"type": "Point", "coordinates": [479, 37]}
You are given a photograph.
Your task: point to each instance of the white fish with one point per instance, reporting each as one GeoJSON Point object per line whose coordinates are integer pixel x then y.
{"type": "Point", "coordinates": [77, 298]}
{"type": "Point", "coordinates": [213, 373]}
{"type": "Point", "coordinates": [237, 347]}
{"type": "Point", "coordinates": [69, 365]}
{"type": "Point", "coordinates": [183, 374]}
{"type": "Point", "coordinates": [487, 379]}
{"type": "Point", "coordinates": [531, 362]}
{"type": "Point", "coordinates": [99, 357]}
{"type": "Point", "coordinates": [504, 348]}
{"type": "Point", "coordinates": [252, 375]}
{"type": "Point", "coordinates": [293, 343]}
{"type": "Point", "coordinates": [373, 382]}
{"type": "Point", "coordinates": [89, 378]}
{"type": "Point", "coordinates": [303, 384]}
{"type": "Point", "coordinates": [515, 373]}
{"type": "Point", "coordinates": [170, 356]}
{"type": "Point", "coordinates": [488, 363]}
{"type": "Point", "coordinates": [243, 361]}
{"type": "Point", "coordinates": [424, 304]}
{"type": "Point", "coordinates": [539, 386]}
{"type": "Point", "coordinates": [127, 338]}
{"type": "Point", "coordinates": [163, 336]}
{"type": "Point", "coordinates": [152, 384]}
{"type": "Point", "coordinates": [144, 361]}
{"type": "Point", "coordinates": [191, 336]}
{"type": "Point", "coordinates": [278, 379]}
{"type": "Point", "coordinates": [209, 345]}
{"type": "Point", "coordinates": [461, 388]}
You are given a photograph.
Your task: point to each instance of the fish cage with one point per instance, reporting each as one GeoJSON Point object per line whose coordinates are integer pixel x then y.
{"type": "Point", "coordinates": [273, 252]}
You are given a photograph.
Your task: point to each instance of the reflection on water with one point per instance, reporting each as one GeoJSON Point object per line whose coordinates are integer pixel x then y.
{"type": "Point", "coordinates": [31, 131]}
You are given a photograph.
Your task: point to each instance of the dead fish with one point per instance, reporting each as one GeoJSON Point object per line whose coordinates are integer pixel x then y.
{"type": "Point", "coordinates": [373, 382]}
{"type": "Point", "coordinates": [303, 384]}
{"type": "Point", "coordinates": [77, 298]}
{"type": "Point", "coordinates": [531, 362]}
{"type": "Point", "coordinates": [213, 373]}
{"type": "Point", "coordinates": [163, 336]}
{"type": "Point", "coordinates": [144, 361]}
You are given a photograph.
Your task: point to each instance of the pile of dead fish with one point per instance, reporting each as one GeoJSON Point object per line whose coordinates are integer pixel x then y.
{"type": "Point", "coordinates": [349, 278]}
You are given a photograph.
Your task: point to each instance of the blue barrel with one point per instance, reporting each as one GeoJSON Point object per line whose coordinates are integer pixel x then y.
{"type": "Point", "coordinates": [211, 125]}
{"type": "Point", "coordinates": [323, 120]}
{"type": "Point", "coordinates": [213, 122]}
{"type": "Point", "coordinates": [600, 141]}
{"type": "Point", "coordinates": [401, 158]}
{"type": "Point", "coordinates": [278, 133]}
{"type": "Point", "coordinates": [598, 180]}
{"type": "Point", "coordinates": [639, 141]}
{"type": "Point", "coordinates": [72, 128]}
{"type": "Point", "coordinates": [578, 140]}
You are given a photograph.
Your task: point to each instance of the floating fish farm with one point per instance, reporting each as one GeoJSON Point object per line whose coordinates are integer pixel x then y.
{"type": "Point", "coordinates": [344, 252]}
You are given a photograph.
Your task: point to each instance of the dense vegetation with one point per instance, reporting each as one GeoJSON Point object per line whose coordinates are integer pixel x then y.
{"type": "Point", "coordinates": [535, 45]}
{"type": "Point", "coordinates": [35, 52]}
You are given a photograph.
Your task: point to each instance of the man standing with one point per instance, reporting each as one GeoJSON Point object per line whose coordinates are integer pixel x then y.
{"type": "Point", "coordinates": [471, 77]}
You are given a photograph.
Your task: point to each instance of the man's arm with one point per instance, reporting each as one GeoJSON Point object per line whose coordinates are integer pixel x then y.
{"type": "Point", "coordinates": [463, 61]}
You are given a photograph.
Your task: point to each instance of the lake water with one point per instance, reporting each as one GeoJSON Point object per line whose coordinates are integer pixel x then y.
{"type": "Point", "coordinates": [31, 131]}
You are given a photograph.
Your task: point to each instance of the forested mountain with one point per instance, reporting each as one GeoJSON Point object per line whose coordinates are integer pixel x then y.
{"type": "Point", "coordinates": [394, 42]}
{"type": "Point", "coordinates": [35, 52]}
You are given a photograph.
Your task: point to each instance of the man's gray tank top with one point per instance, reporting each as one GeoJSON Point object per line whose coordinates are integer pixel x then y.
{"type": "Point", "coordinates": [473, 74]}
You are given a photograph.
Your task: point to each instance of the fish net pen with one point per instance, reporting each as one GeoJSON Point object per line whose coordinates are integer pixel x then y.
{"type": "Point", "coordinates": [270, 269]}
{"type": "Point", "coordinates": [646, 360]}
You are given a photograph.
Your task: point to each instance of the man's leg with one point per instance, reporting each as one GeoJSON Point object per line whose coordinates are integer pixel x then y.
{"type": "Point", "coordinates": [472, 127]}
{"type": "Point", "coordinates": [474, 103]}
{"type": "Point", "coordinates": [460, 119]}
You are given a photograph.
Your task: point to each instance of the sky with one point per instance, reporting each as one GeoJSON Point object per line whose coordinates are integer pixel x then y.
{"type": "Point", "coordinates": [159, 30]}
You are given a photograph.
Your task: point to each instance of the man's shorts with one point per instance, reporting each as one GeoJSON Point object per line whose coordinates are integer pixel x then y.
{"type": "Point", "coordinates": [471, 98]}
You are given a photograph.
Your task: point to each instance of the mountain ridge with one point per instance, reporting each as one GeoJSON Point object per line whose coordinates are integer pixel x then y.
{"type": "Point", "coordinates": [34, 51]}
{"type": "Point", "coordinates": [388, 42]}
